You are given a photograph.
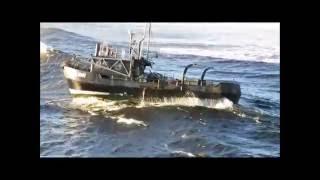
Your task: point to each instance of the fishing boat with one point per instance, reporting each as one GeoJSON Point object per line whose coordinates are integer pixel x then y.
{"type": "Point", "coordinates": [107, 73]}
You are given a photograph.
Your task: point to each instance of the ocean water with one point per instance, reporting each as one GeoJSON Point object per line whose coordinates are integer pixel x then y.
{"type": "Point", "coordinates": [248, 53]}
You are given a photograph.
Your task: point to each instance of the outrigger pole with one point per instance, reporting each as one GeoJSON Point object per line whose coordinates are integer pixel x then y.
{"type": "Point", "coordinates": [184, 73]}
{"type": "Point", "coordinates": [203, 74]}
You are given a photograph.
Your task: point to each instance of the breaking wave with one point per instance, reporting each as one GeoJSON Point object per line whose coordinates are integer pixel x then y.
{"type": "Point", "coordinates": [238, 53]}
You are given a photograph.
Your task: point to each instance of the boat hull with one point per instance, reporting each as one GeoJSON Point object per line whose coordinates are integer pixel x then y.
{"type": "Point", "coordinates": [84, 83]}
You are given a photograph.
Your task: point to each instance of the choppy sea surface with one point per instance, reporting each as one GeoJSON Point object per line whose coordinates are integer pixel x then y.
{"type": "Point", "coordinates": [188, 127]}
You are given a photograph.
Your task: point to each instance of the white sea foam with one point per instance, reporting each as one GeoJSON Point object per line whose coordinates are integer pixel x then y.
{"type": "Point", "coordinates": [93, 104]}
{"type": "Point", "coordinates": [222, 103]}
{"type": "Point", "coordinates": [184, 153]}
{"type": "Point", "coordinates": [130, 121]}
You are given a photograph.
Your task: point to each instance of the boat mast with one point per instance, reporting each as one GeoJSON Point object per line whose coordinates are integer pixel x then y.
{"type": "Point", "coordinates": [130, 53]}
{"type": "Point", "coordinates": [130, 42]}
{"type": "Point", "coordinates": [141, 42]}
{"type": "Point", "coordinates": [132, 48]}
{"type": "Point", "coordinates": [148, 41]}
